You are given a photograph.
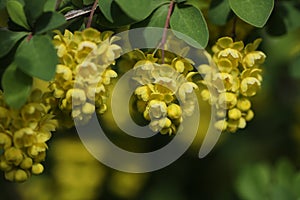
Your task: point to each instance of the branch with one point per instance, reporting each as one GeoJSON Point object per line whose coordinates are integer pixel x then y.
{"type": "Point", "coordinates": [164, 37]}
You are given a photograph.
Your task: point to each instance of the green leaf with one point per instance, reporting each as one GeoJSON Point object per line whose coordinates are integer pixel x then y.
{"type": "Point", "coordinates": [88, 2]}
{"type": "Point", "coordinates": [37, 57]}
{"type": "Point", "coordinates": [77, 3]}
{"type": "Point", "coordinates": [16, 86]}
{"type": "Point", "coordinates": [8, 39]}
{"type": "Point", "coordinates": [49, 21]}
{"type": "Point", "coordinates": [140, 9]}
{"type": "Point", "coordinates": [157, 19]}
{"type": "Point", "coordinates": [105, 7]}
{"type": "Point", "coordinates": [16, 13]}
{"type": "Point", "coordinates": [50, 5]}
{"type": "Point", "coordinates": [254, 12]}
{"type": "Point", "coordinates": [219, 12]}
{"type": "Point", "coordinates": [253, 182]}
{"type": "Point", "coordinates": [284, 173]}
{"type": "Point", "coordinates": [112, 15]}
{"type": "Point", "coordinates": [33, 9]}
{"type": "Point", "coordinates": [180, 1]}
{"type": "Point", "coordinates": [296, 184]}
{"type": "Point", "coordinates": [191, 26]}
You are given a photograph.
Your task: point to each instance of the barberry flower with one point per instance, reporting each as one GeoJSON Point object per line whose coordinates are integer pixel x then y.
{"type": "Point", "coordinates": [82, 74]}
{"type": "Point", "coordinates": [234, 75]}
{"type": "Point", "coordinates": [164, 95]}
{"type": "Point", "coordinates": [23, 136]}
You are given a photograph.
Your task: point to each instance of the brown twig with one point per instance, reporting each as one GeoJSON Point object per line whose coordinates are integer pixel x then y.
{"type": "Point", "coordinates": [164, 37]}
{"type": "Point", "coordinates": [90, 19]}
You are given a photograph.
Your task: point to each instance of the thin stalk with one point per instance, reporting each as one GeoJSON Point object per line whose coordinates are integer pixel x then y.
{"type": "Point", "coordinates": [90, 19]}
{"type": "Point", "coordinates": [164, 37]}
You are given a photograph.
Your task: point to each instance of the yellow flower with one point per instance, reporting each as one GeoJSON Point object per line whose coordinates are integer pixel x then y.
{"type": "Point", "coordinates": [160, 88]}
{"type": "Point", "coordinates": [236, 76]}
{"type": "Point", "coordinates": [83, 73]}
{"type": "Point", "coordinates": [249, 86]}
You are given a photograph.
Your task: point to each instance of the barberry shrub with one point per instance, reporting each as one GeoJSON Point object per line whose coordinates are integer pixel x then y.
{"type": "Point", "coordinates": [66, 43]}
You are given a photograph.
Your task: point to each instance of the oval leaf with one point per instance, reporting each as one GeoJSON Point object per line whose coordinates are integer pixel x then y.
{"type": "Point", "coordinates": [49, 21]}
{"type": "Point", "coordinates": [219, 12]}
{"type": "Point", "coordinates": [8, 39]}
{"type": "Point", "coordinates": [16, 86]}
{"type": "Point", "coordinates": [16, 13]}
{"type": "Point", "coordinates": [152, 36]}
{"type": "Point", "coordinates": [50, 5]}
{"type": "Point", "coordinates": [140, 9]}
{"type": "Point", "coordinates": [254, 12]}
{"type": "Point", "coordinates": [33, 9]}
{"type": "Point", "coordinates": [105, 7]}
{"type": "Point", "coordinates": [37, 57]}
{"type": "Point", "coordinates": [191, 26]}
{"type": "Point", "coordinates": [112, 15]}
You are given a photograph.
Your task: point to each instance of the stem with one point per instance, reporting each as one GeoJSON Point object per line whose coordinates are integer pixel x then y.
{"type": "Point", "coordinates": [29, 37]}
{"type": "Point", "coordinates": [89, 23]}
{"type": "Point", "coordinates": [58, 2]}
{"type": "Point", "coordinates": [164, 37]}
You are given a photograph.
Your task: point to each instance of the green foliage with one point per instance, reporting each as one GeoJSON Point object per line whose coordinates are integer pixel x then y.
{"type": "Point", "coordinates": [219, 12]}
{"type": "Point", "coordinates": [49, 5]}
{"type": "Point", "coordinates": [11, 38]}
{"type": "Point", "coordinates": [17, 14]}
{"type": "Point", "coordinates": [88, 2]}
{"type": "Point", "coordinates": [16, 85]}
{"type": "Point", "coordinates": [193, 26]}
{"type": "Point", "coordinates": [112, 15]}
{"type": "Point", "coordinates": [49, 21]}
{"type": "Point", "coordinates": [141, 9]}
{"type": "Point", "coordinates": [255, 12]}
{"type": "Point", "coordinates": [37, 57]}
{"type": "Point", "coordinates": [33, 9]}
{"type": "Point", "coordinates": [261, 181]}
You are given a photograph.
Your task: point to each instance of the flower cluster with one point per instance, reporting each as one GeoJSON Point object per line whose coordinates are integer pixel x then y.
{"type": "Point", "coordinates": [23, 136]}
{"type": "Point", "coordinates": [235, 76]}
{"type": "Point", "coordinates": [79, 87]}
{"type": "Point", "coordinates": [164, 93]}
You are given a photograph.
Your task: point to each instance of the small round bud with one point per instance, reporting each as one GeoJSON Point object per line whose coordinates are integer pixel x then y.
{"type": "Point", "coordinates": [221, 125]}
{"type": "Point", "coordinates": [13, 155]}
{"type": "Point", "coordinates": [249, 116]}
{"type": "Point", "coordinates": [174, 111]}
{"type": "Point", "coordinates": [205, 94]}
{"type": "Point", "coordinates": [227, 100]}
{"type": "Point", "coordinates": [21, 175]}
{"type": "Point", "coordinates": [243, 104]}
{"type": "Point", "coordinates": [37, 169]}
{"type": "Point", "coordinates": [4, 165]}
{"type": "Point", "coordinates": [234, 114]}
{"type": "Point", "coordinates": [88, 108]}
{"type": "Point", "coordinates": [26, 163]}
{"type": "Point", "coordinates": [10, 175]}
{"type": "Point", "coordinates": [242, 123]}
{"type": "Point", "coordinates": [5, 141]}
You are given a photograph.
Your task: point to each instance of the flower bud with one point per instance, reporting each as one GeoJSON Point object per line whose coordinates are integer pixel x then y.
{"type": "Point", "coordinates": [234, 114]}
{"type": "Point", "coordinates": [174, 111]}
{"type": "Point", "coordinates": [13, 155]}
{"type": "Point", "coordinates": [37, 169]}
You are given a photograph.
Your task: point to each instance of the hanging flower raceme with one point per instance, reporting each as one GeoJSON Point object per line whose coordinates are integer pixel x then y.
{"type": "Point", "coordinates": [164, 92]}
{"type": "Point", "coordinates": [23, 136]}
{"type": "Point", "coordinates": [236, 76]}
{"type": "Point", "coordinates": [79, 87]}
